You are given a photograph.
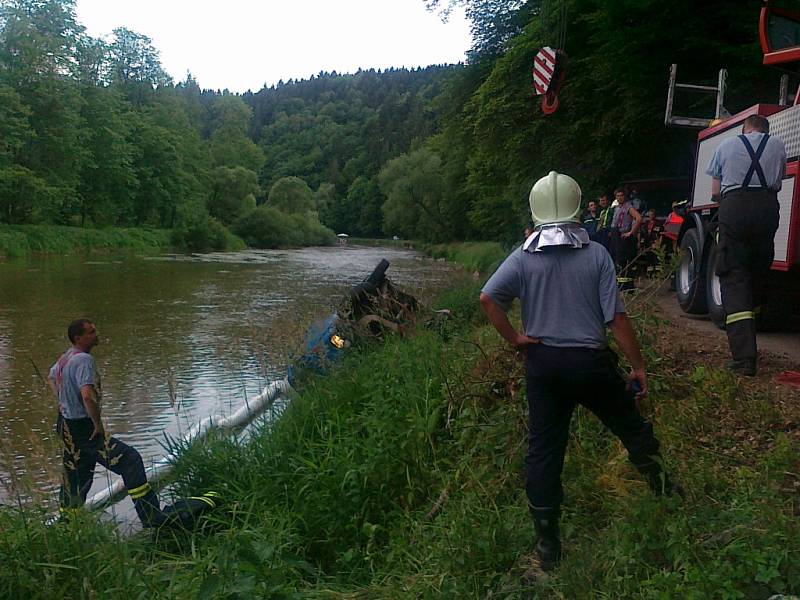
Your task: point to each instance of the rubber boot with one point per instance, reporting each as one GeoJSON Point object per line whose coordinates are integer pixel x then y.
{"type": "Point", "coordinates": [149, 510]}
{"type": "Point", "coordinates": [659, 481]}
{"type": "Point", "coordinates": [742, 342]}
{"type": "Point", "coordinates": [745, 366]}
{"type": "Point", "coordinates": [548, 542]}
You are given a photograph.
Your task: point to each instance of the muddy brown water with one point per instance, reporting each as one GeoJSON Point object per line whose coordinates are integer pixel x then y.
{"type": "Point", "coordinates": [181, 337]}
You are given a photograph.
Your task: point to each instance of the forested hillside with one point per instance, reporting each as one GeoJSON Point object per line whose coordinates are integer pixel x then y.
{"type": "Point", "coordinates": [94, 133]}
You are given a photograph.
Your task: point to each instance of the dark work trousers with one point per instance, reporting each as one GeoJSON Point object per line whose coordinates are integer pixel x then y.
{"type": "Point", "coordinates": [748, 221]}
{"type": "Point", "coordinates": [623, 251]}
{"type": "Point", "coordinates": [602, 237]}
{"type": "Point", "coordinates": [80, 456]}
{"type": "Point", "coordinates": [558, 379]}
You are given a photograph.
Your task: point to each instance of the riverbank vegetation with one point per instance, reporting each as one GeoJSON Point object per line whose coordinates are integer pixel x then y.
{"type": "Point", "coordinates": [483, 257]}
{"type": "Point", "coordinates": [21, 240]}
{"type": "Point", "coordinates": [95, 134]}
{"type": "Point", "coordinates": [399, 475]}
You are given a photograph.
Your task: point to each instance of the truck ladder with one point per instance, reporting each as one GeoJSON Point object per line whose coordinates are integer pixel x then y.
{"type": "Point", "coordinates": [719, 90]}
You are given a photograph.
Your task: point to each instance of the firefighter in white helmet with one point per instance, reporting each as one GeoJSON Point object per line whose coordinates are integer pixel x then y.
{"type": "Point", "coordinates": [568, 293]}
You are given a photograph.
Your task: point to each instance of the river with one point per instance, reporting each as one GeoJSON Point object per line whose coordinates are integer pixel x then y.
{"type": "Point", "coordinates": [181, 337]}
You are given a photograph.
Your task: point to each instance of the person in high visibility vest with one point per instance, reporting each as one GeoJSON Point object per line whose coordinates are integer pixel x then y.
{"type": "Point", "coordinates": [75, 381]}
{"type": "Point", "coordinates": [568, 295]}
{"type": "Point", "coordinates": [604, 222]}
{"type": "Point", "coordinates": [747, 172]}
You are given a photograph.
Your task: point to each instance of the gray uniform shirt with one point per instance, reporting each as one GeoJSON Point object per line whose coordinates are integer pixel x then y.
{"type": "Point", "coordinates": [69, 374]}
{"type": "Point", "coordinates": [567, 295]}
{"type": "Point", "coordinates": [731, 161]}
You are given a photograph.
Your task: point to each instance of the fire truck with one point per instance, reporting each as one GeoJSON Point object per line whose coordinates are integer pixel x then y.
{"type": "Point", "coordinates": [696, 282]}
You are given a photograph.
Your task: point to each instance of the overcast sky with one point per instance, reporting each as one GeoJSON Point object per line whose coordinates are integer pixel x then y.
{"type": "Point", "coordinates": [243, 44]}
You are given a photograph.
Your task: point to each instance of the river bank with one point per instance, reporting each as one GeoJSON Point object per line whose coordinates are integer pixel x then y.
{"type": "Point", "coordinates": [483, 257]}
{"type": "Point", "coordinates": [22, 240]}
{"type": "Point", "coordinates": [399, 475]}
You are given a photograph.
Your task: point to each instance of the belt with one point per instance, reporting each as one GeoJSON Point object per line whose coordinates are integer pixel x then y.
{"type": "Point", "coordinates": [749, 190]}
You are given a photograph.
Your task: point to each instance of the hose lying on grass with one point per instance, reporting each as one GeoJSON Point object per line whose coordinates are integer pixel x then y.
{"type": "Point", "coordinates": [161, 468]}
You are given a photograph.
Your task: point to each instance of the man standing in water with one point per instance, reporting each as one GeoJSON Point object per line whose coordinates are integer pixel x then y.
{"type": "Point", "coordinates": [75, 381]}
{"type": "Point", "coordinates": [568, 293]}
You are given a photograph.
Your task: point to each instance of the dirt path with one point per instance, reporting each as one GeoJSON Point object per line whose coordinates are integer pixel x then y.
{"type": "Point", "coordinates": [777, 351]}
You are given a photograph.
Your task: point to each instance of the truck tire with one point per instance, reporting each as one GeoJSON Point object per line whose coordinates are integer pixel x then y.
{"type": "Point", "coordinates": [713, 290]}
{"type": "Point", "coordinates": [690, 284]}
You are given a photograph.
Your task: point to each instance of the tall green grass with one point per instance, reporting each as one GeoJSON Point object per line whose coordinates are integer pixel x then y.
{"type": "Point", "coordinates": [474, 256]}
{"type": "Point", "coordinates": [400, 475]}
{"type": "Point", "coordinates": [21, 240]}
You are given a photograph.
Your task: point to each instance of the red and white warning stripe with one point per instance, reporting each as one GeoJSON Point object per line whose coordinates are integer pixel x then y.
{"type": "Point", "coordinates": [544, 63]}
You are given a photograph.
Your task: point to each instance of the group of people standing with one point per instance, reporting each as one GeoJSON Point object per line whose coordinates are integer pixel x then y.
{"type": "Point", "coordinates": [621, 229]}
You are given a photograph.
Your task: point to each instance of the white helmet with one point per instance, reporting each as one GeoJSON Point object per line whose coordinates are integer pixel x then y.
{"type": "Point", "coordinates": [555, 198]}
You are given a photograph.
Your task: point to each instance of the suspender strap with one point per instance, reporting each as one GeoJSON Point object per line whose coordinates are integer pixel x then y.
{"type": "Point", "coordinates": [755, 165]}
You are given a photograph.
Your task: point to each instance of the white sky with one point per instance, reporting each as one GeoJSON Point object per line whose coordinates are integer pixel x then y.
{"type": "Point", "coordinates": [241, 44]}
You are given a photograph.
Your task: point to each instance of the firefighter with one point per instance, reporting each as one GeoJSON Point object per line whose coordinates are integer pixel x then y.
{"type": "Point", "coordinates": [568, 293]}
{"type": "Point", "coordinates": [75, 381]}
{"type": "Point", "coordinates": [746, 172]}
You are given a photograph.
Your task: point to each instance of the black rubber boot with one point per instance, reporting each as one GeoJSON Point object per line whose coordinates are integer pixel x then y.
{"type": "Point", "coordinates": [659, 481]}
{"type": "Point", "coordinates": [548, 543]}
{"type": "Point", "coordinates": [745, 366]}
{"type": "Point", "coordinates": [149, 510]}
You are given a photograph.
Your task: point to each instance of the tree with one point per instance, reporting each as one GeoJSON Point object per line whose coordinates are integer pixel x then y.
{"type": "Point", "coordinates": [157, 170]}
{"type": "Point", "coordinates": [38, 39]}
{"type": "Point", "coordinates": [93, 66]}
{"type": "Point", "coordinates": [494, 22]}
{"type": "Point", "coordinates": [15, 131]}
{"type": "Point", "coordinates": [134, 59]}
{"type": "Point", "coordinates": [108, 187]}
{"type": "Point", "coordinates": [233, 193]}
{"type": "Point", "coordinates": [324, 198]}
{"type": "Point", "coordinates": [413, 186]}
{"type": "Point", "coordinates": [229, 143]}
{"type": "Point", "coordinates": [291, 195]}
{"type": "Point", "coordinates": [359, 212]}
{"type": "Point", "coordinates": [24, 197]}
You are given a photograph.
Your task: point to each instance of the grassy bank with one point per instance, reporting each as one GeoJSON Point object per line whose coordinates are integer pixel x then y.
{"type": "Point", "coordinates": [400, 476]}
{"type": "Point", "coordinates": [473, 256]}
{"type": "Point", "coordinates": [21, 240]}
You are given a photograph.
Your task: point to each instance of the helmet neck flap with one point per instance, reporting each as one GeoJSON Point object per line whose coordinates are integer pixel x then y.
{"type": "Point", "coordinates": [555, 202]}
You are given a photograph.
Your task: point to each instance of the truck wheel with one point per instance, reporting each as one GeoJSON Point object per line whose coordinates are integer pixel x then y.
{"type": "Point", "coordinates": [690, 278]}
{"type": "Point", "coordinates": [713, 290]}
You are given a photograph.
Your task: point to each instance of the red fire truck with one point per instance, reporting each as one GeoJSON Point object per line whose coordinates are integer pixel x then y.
{"type": "Point", "coordinates": [696, 282]}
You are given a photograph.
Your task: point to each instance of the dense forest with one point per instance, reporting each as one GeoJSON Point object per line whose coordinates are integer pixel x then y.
{"type": "Point", "coordinates": [94, 133]}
